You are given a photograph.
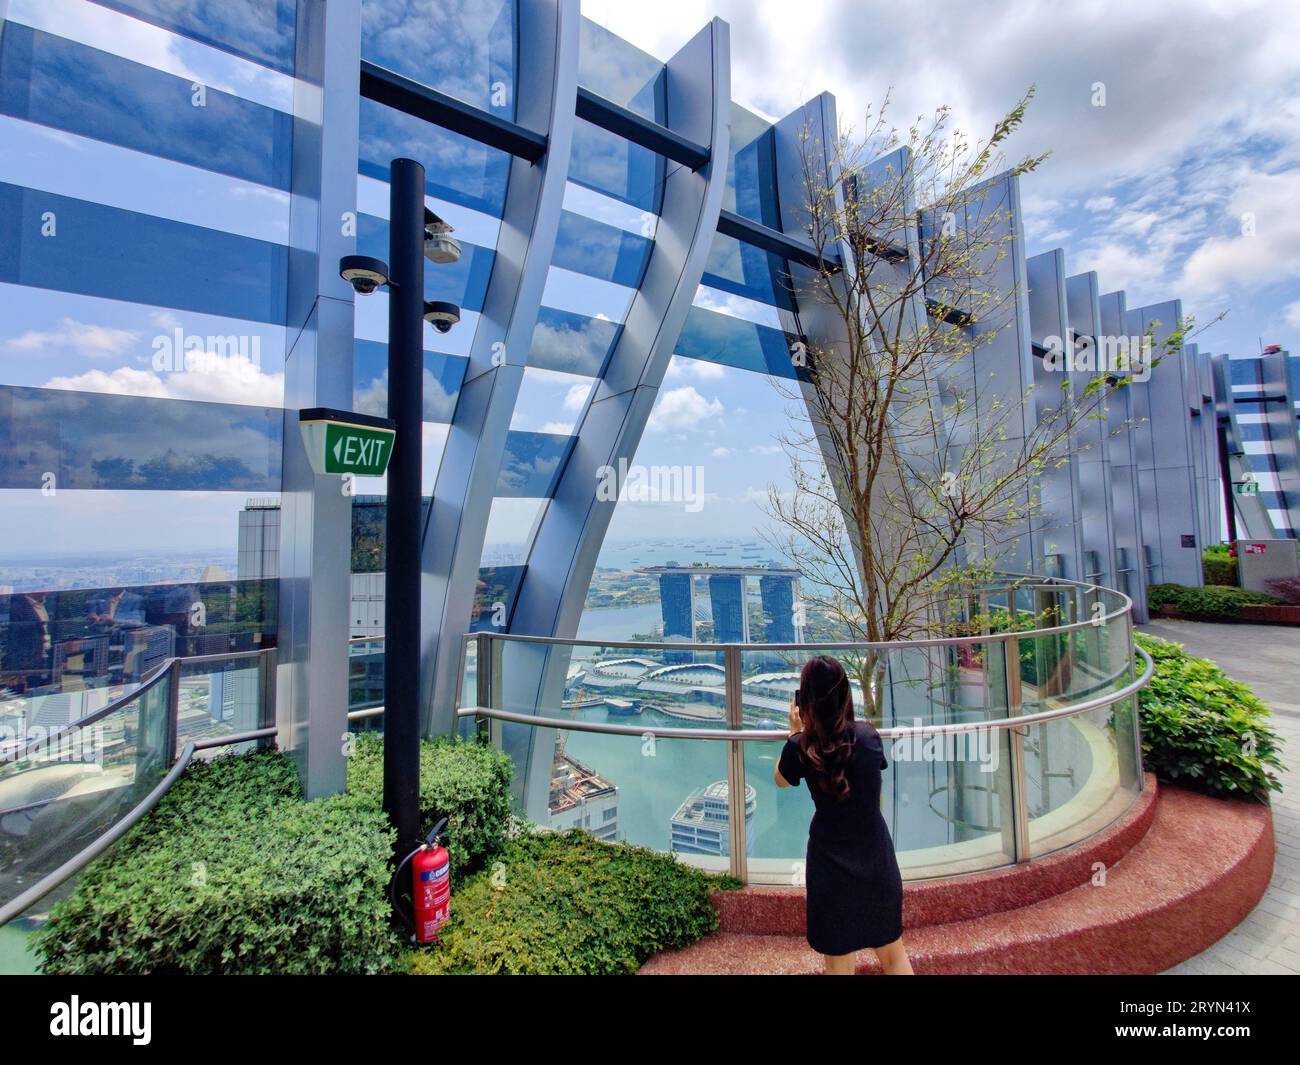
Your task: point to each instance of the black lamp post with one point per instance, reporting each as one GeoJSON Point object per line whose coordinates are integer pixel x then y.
{"type": "Point", "coordinates": [413, 232]}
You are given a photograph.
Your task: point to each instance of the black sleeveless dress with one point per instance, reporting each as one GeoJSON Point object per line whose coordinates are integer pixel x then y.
{"type": "Point", "coordinates": [855, 892]}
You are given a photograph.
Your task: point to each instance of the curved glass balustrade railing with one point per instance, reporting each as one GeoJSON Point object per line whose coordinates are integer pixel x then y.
{"type": "Point", "coordinates": [1013, 737]}
{"type": "Point", "coordinates": [66, 789]}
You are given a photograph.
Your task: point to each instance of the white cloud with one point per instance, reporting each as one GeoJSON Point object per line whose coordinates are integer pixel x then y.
{"type": "Point", "coordinates": [223, 379]}
{"type": "Point", "coordinates": [1264, 245]}
{"type": "Point", "coordinates": [576, 397]}
{"type": "Point", "coordinates": [683, 408]}
{"type": "Point", "coordinates": [86, 339]}
{"type": "Point", "coordinates": [1292, 314]}
{"type": "Point", "coordinates": [683, 368]}
{"type": "Point", "coordinates": [723, 452]}
{"type": "Point", "coordinates": [1100, 203]}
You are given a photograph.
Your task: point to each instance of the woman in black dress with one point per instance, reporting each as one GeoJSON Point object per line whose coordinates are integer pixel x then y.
{"type": "Point", "coordinates": [855, 892]}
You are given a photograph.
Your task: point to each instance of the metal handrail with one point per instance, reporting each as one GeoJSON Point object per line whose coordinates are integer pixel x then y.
{"type": "Point", "coordinates": [21, 903]}
{"type": "Point", "coordinates": [1054, 583]}
{"type": "Point", "coordinates": [893, 732]}
{"type": "Point", "coordinates": [152, 678]}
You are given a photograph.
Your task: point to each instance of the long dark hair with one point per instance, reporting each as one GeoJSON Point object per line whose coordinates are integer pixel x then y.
{"type": "Point", "coordinates": [826, 710]}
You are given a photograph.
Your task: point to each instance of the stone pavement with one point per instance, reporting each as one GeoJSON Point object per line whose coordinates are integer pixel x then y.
{"type": "Point", "coordinates": [1266, 657]}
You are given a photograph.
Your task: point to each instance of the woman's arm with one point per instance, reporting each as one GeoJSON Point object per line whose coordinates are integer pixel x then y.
{"type": "Point", "coordinates": [796, 724]}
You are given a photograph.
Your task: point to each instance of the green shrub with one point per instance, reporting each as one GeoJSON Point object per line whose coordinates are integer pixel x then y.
{"type": "Point", "coordinates": [567, 903]}
{"type": "Point", "coordinates": [1214, 602]}
{"type": "Point", "coordinates": [1204, 730]}
{"type": "Point", "coordinates": [234, 873]}
{"type": "Point", "coordinates": [468, 783]}
{"type": "Point", "coordinates": [1219, 567]}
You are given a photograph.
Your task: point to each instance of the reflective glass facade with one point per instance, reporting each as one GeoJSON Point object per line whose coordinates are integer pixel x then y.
{"type": "Point", "coordinates": [178, 181]}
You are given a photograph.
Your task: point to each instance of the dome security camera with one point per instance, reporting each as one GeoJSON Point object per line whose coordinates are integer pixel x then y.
{"type": "Point", "coordinates": [363, 273]}
{"type": "Point", "coordinates": [441, 315]}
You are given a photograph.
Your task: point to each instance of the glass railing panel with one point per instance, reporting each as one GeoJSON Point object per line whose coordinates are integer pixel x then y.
{"type": "Point", "coordinates": [72, 789]}
{"type": "Point", "coordinates": [946, 799]}
{"type": "Point", "coordinates": [1063, 668]}
{"type": "Point", "coordinates": [467, 727]}
{"type": "Point", "coordinates": [1081, 773]}
{"type": "Point", "coordinates": [667, 794]}
{"type": "Point", "coordinates": [219, 700]}
{"type": "Point", "coordinates": [365, 677]}
{"type": "Point", "coordinates": [634, 788]}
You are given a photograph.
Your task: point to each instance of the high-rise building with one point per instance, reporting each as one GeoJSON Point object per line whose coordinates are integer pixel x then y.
{"type": "Point", "coordinates": [259, 540]}
{"type": "Point", "coordinates": [730, 607]}
{"type": "Point", "coordinates": [700, 825]}
{"type": "Point", "coordinates": [781, 623]}
{"type": "Point", "coordinates": [677, 602]}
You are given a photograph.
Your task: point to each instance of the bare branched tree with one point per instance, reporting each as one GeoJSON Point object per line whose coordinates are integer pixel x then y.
{"type": "Point", "coordinates": [907, 495]}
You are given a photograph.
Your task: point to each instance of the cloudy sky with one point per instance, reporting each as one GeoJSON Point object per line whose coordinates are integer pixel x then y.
{"type": "Point", "coordinates": [1184, 184]}
{"type": "Point", "coordinates": [1198, 138]}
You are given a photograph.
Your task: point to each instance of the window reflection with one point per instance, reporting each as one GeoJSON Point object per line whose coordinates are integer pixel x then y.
{"type": "Point", "coordinates": [494, 597]}
{"type": "Point", "coordinates": [720, 338]}
{"type": "Point", "coordinates": [443, 375]}
{"type": "Point", "coordinates": [587, 246]}
{"type": "Point", "coordinates": [68, 641]}
{"type": "Point", "coordinates": [572, 343]}
{"type": "Point", "coordinates": [744, 270]}
{"type": "Point", "coordinates": [751, 169]}
{"type": "Point", "coordinates": [261, 31]}
{"type": "Point", "coordinates": [82, 90]}
{"type": "Point", "coordinates": [456, 168]}
{"type": "Point", "coordinates": [105, 251]}
{"type": "Point", "coordinates": [532, 463]}
{"type": "Point", "coordinates": [465, 48]}
{"type": "Point", "coordinates": [620, 72]}
{"type": "Point", "coordinates": [64, 440]}
{"type": "Point", "coordinates": [606, 162]}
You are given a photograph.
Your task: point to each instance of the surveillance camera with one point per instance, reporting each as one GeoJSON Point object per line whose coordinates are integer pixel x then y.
{"type": "Point", "coordinates": [439, 245]}
{"type": "Point", "coordinates": [363, 273]}
{"type": "Point", "coordinates": [441, 315]}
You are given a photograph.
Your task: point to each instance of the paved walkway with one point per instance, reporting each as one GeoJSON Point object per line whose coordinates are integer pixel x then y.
{"type": "Point", "coordinates": [1267, 657]}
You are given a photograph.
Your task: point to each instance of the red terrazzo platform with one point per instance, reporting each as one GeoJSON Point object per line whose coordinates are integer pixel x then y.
{"type": "Point", "coordinates": [780, 911]}
{"type": "Point", "coordinates": [1170, 892]}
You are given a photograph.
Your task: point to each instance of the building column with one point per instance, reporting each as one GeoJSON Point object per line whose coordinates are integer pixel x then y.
{"type": "Point", "coordinates": [546, 95]}
{"type": "Point", "coordinates": [316, 518]}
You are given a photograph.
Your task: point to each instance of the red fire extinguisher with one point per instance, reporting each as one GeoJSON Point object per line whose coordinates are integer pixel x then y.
{"type": "Point", "coordinates": [430, 886]}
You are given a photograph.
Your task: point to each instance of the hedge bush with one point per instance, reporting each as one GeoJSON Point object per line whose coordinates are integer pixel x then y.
{"type": "Point", "coordinates": [1218, 566]}
{"type": "Point", "coordinates": [1204, 730]}
{"type": "Point", "coordinates": [468, 783]}
{"type": "Point", "coordinates": [233, 873]}
{"type": "Point", "coordinates": [1214, 602]}
{"type": "Point", "coordinates": [567, 903]}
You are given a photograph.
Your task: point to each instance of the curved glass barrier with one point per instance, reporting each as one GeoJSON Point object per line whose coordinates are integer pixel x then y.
{"type": "Point", "coordinates": [63, 788]}
{"type": "Point", "coordinates": [965, 790]}
{"type": "Point", "coordinates": [61, 796]}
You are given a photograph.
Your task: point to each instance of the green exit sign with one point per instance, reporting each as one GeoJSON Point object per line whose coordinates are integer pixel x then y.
{"type": "Point", "coordinates": [345, 442]}
{"type": "Point", "coordinates": [1246, 488]}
